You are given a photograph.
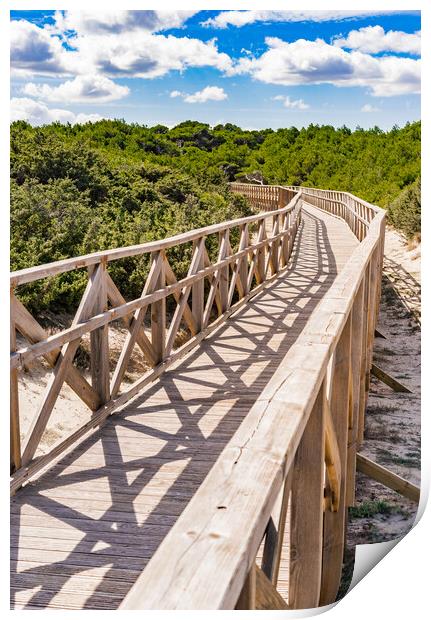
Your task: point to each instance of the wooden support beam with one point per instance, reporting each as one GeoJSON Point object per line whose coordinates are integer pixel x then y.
{"type": "Point", "coordinates": [224, 248]}
{"type": "Point", "coordinates": [15, 438]}
{"type": "Point", "coordinates": [61, 368]}
{"type": "Point", "coordinates": [198, 287]}
{"type": "Point", "coordinates": [144, 343]}
{"type": "Point", "coordinates": [275, 532]}
{"type": "Point", "coordinates": [247, 598]}
{"type": "Point", "coordinates": [306, 524]}
{"type": "Point", "coordinates": [99, 344]}
{"type": "Point", "coordinates": [390, 381]}
{"type": "Point", "coordinates": [27, 325]}
{"type": "Point", "coordinates": [151, 284]}
{"type": "Point", "coordinates": [387, 478]}
{"type": "Point", "coordinates": [267, 596]}
{"type": "Point", "coordinates": [332, 458]}
{"type": "Point", "coordinates": [356, 360]}
{"type": "Point", "coordinates": [334, 522]}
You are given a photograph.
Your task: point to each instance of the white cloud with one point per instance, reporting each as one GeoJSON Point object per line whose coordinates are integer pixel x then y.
{"type": "Point", "coordinates": [37, 113]}
{"type": "Point", "coordinates": [209, 93]}
{"type": "Point", "coordinates": [317, 62]}
{"type": "Point", "coordinates": [298, 104]}
{"type": "Point", "coordinates": [141, 54]}
{"type": "Point", "coordinates": [133, 51]}
{"type": "Point", "coordinates": [242, 18]}
{"type": "Point", "coordinates": [33, 48]}
{"type": "Point", "coordinates": [373, 39]}
{"type": "Point", "coordinates": [369, 108]}
{"type": "Point", "coordinates": [115, 22]}
{"type": "Point", "coordinates": [82, 89]}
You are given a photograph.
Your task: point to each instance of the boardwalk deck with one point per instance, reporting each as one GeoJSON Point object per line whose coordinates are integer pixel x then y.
{"type": "Point", "coordinates": [83, 532]}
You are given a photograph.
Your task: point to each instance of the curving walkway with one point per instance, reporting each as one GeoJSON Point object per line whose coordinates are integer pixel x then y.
{"type": "Point", "coordinates": [83, 532]}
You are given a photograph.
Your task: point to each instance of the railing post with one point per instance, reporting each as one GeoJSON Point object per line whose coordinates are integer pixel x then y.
{"type": "Point", "coordinates": [247, 598]}
{"type": "Point", "coordinates": [306, 522]}
{"type": "Point", "coordinates": [243, 263]}
{"type": "Point", "coordinates": [356, 360]}
{"type": "Point", "coordinates": [364, 357]}
{"type": "Point", "coordinates": [15, 439]}
{"type": "Point", "coordinates": [198, 292]}
{"type": "Point", "coordinates": [260, 264]}
{"type": "Point", "coordinates": [334, 522]}
{"type": "Point", "coordinates": [158, 317]}
{"type": "Point", "coordinates": [99, 344]}
{"type": "Point", "coordinates": [224, 271]}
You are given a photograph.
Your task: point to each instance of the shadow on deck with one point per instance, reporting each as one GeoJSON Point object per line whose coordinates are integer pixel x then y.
{"type": "Point", "coordinates": [84, 531]}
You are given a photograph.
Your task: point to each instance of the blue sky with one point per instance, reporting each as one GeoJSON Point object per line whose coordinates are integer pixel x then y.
{"type": "Point", "coordinates": [253, 68]}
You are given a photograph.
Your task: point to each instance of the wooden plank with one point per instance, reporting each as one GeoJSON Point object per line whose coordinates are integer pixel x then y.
{"type": "Point", "coordinates": [224, 246]}
{"type": "Point", "coordinates": [31, 274]}
{"type": "Point", "coordinates": [116, 299]}
{"type": "Point", "coordinates": [188, 314]}
{"type": "Point", "coordinates": [357, 355]}
{"type": "Point", "coordinates": [195, 264]}
{"type": "Point", "coordinates": [267, 596]}
{"type": "Point", "coordinates": [136, 326]}
{"type": "Point", "coordinates": [387, 478]}
{"type": "Point", "coordinates": [27, 325]}
{"type": "Point", "coordinates": [247, 598]}
{"type": "Point", "coordinates": [334, 522]}
{"type": "Point", "coordinates": [198, 287]}
{"type": "Point", "coordinates": [61, 368]}
{"type": "Point", "coordinates": [99, 344]}
{"type": "Point", "coordinates": [76, 331]}
{"type": "Point", "coordinates": [275, 533]}
{"type": "Point", "coordinates": [14, 431]}
{"type": "Point", "coordinates": [332, 458]}
{"type": "Point", "coordinates": [383, 376]}
{"type": "Point", "coordinates": [307, 514]}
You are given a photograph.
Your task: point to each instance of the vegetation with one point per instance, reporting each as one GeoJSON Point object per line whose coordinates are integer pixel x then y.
{"type": "Point", "coordinates": [81, 188]}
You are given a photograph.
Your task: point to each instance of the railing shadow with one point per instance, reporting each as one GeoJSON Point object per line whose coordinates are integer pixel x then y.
{"type": "Point", "coordinates": [405, 286]}
{"type": "Point", "coordinates": [136, 475]}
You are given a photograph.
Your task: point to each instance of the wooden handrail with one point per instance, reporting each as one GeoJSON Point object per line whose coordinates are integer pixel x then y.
{"type": "Point", "coordinates": [232, 279]}
{"type": "Point", "coordinates": [296, 440]}
{"type": "Point", "coordinates": [206, 560]}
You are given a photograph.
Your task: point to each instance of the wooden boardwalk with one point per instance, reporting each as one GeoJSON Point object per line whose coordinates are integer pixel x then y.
{"type": "Point", "coordinates": [83, 532]}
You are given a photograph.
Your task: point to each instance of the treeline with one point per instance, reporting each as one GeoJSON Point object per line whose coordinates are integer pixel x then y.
{"type": "Point", "coordinates": [81, 188]}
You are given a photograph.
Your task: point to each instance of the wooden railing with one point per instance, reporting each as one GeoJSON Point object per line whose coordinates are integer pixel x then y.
{"type": "Point", "coordinates": [293, 456]}
{"type": "Point", "coordinates": [265, 197]}
{"type": "Point", "coordinates": [247, 253]}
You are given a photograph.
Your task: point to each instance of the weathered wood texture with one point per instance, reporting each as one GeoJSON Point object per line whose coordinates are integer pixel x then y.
{"type": "Point", "coordinates": [212, 466]}
{"type": "Point", "coordinates": [83, 532]}
{"type": "Point", "coordinates": [208, 310]}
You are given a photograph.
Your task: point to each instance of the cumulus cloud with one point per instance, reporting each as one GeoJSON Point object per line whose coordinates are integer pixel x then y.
{"type": "Point", "coordinates": [373, 39]}
{"type": "Point", "coordinates": [113, 44]}
{"type": "Point", "coordinates": [115, 22]}
{"type": "Point", "coordinates": [369, 108]}
{"type": "Point", "coordinates": [37, 113]}
{"type": "Point", "coordinates": [82, 89]}
{"type": "Point", "coordinates": [243, 18]}
{"type": "Point", "coordinates": [33, 48]}
{"type": "Point", "coordinates": [209, 93]}
{"type": "Point", "coordinates": [298, 104]}
{"type": "Point", "coordinates": [317, 62]}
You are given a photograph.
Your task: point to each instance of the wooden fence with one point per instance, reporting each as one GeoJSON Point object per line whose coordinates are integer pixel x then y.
{"type": "Point", "coordinates": [200, 301]}
{"type": "Point", "coordinates": [295, 453]}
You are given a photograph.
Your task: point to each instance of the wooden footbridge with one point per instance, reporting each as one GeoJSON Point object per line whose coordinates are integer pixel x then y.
{"type": "Point", "coordinates": [223, 479]}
